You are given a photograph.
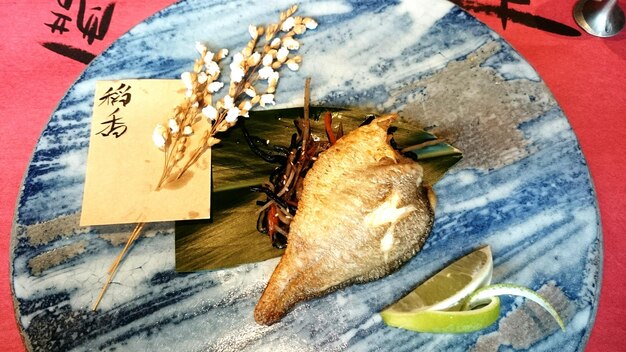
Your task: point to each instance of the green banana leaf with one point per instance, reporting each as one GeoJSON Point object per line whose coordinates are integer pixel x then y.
{"type": "Point", "coordinates": [230, 237]}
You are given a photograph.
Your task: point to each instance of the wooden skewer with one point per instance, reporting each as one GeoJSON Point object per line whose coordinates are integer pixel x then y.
{"type": "Point", "coordinates": [133, 236]}
{"type": "Point", "coordinates": [113, 269]}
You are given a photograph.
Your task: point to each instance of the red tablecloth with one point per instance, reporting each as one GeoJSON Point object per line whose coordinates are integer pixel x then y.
{"type": "Point", "coordinates": [586, 74]}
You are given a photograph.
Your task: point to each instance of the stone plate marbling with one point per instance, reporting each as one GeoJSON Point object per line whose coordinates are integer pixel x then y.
{"type": "Point", "coordinates": [523, 188]}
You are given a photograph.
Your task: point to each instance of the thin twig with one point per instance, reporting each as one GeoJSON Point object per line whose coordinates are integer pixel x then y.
{"type": "Point", "coordinates": [131, 239]}
{"type": "Point", "coordinates": [113, 269]}
{"type": "Point", "coordinates": [307, 97]}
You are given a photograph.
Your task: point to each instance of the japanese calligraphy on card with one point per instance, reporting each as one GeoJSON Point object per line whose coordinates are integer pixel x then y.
{"type": "Point", "coordinates": [123, 167]}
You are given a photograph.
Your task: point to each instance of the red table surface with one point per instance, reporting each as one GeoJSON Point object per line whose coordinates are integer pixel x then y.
{"type": "Point", "coordinates": [587, 75]}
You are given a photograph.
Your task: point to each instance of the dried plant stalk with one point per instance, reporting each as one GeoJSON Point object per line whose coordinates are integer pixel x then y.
{"type": "Point", "coordinates": [254, 75]}
{"type": "Point", "coordinates": [253, 80]}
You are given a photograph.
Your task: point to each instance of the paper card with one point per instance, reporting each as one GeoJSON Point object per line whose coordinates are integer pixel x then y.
{"type": "Point", "coordinates": [124, 166]}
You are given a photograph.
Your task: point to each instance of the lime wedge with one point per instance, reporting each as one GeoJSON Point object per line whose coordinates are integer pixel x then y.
{"type": "Point", "coordinates": [483, 295]}
{"type": "Point", "coordinates": [458, 300]}
{"type": "Point", "coordinates": [449, 322]}
{"type": "Point", "coordinates": [449, 287]}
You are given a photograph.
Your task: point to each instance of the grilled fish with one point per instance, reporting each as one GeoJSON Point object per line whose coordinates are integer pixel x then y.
{"type": "Point", "coordinates": [363, 212]}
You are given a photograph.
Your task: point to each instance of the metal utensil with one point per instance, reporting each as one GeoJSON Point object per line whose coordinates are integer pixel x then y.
{"type": "Point", "coordinates": [602, 18]}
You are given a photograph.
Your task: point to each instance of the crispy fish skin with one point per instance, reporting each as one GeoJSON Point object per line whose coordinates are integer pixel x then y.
{"type": "Point", "coordinates": [361, 215]}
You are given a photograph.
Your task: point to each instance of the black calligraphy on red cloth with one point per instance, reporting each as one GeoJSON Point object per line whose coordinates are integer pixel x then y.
{"type": "Point", "coordinates": [506, 14]}
{"type": "Point", "coordinates": [91, 21]}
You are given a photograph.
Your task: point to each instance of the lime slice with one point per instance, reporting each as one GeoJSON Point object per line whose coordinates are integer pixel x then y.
{"type": "Point", "coordinates": [449, 287]}
{"type": "Point", "coordinates": [483, 295]}
{"type": "Point", "coordinates": [457, 300]}
{"type": "Point", "coordinates": [449, 322]}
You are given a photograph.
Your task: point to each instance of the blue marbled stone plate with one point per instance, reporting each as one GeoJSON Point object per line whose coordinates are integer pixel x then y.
{"type": "Point", "coordinates": [523, 188]}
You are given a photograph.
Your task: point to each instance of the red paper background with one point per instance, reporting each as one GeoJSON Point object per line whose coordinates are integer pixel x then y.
{"type": "Point", "coordinates": [586, 74]}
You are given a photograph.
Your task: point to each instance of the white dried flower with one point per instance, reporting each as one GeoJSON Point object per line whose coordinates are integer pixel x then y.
{"type": "Point", "coordinates": [173, 125]}
{"type": "Point", "coordinates": [250, 92]}
{"type": "Point", "coordinates": [267, 99]}
{"type": "Point", "coordinates": [266, 72]}
{"type": "Point", "coordinates": [254, 59]}
{"type": "Point", "coordinates": [186, 77]}
{"type": "Point", "coordinates": [210, 112]}
{"type": "Point", "coordinates": [267, 60]}
{"type": "Point", "coordinates": [277, 64]}
{"type": "Point", "coordinates": [214, 86]}
{"type": "Point", "coordinates": [291, 43]}
{"type": "Point", "coordinates": [288, 24]}
{"type": "Point", "coordinates": [299, 29]}
{"type": "Point", "coordinates": [159, 136]}
{"type": "Point", "coordinates": [189, 93]}
{"type": "Point", "coordinates": [221, 54]}
{"type": "Point", "coordinates": [309, 23]}
{"type": "Point", "coordinates": [245, 105]}
{"type": "Point", "coordinates": [294, 66]}
{"type": "Point", "coordinates": [273, 79]}
{"type": "Point", "coordinates": [247, 51]}
{"type": "Point", "coordinates": [282, 53]}
{"type": "Point", "coordinates": [187, 131]}
{"type": "Point", "coordinates": [208, 57]}
{"type": "Point", "coordinates": [201, 48]}
{"type": "Point", "coordinates": [236, 74]}
{"type": "Point", "coordinates": [212, 68]}
{"type": "Point", "coordinates": [253, 31]}
{"type": "Point", "coordinates": [232, 114]}
{"type": "Point", "coordinates": [229, 102]}
{"type": "Point", "coordinates": [202, 77]}
{"type": "Point", "coordinates": [275, 43]}
{"type": "Point", "coordinates": [237, 59]}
